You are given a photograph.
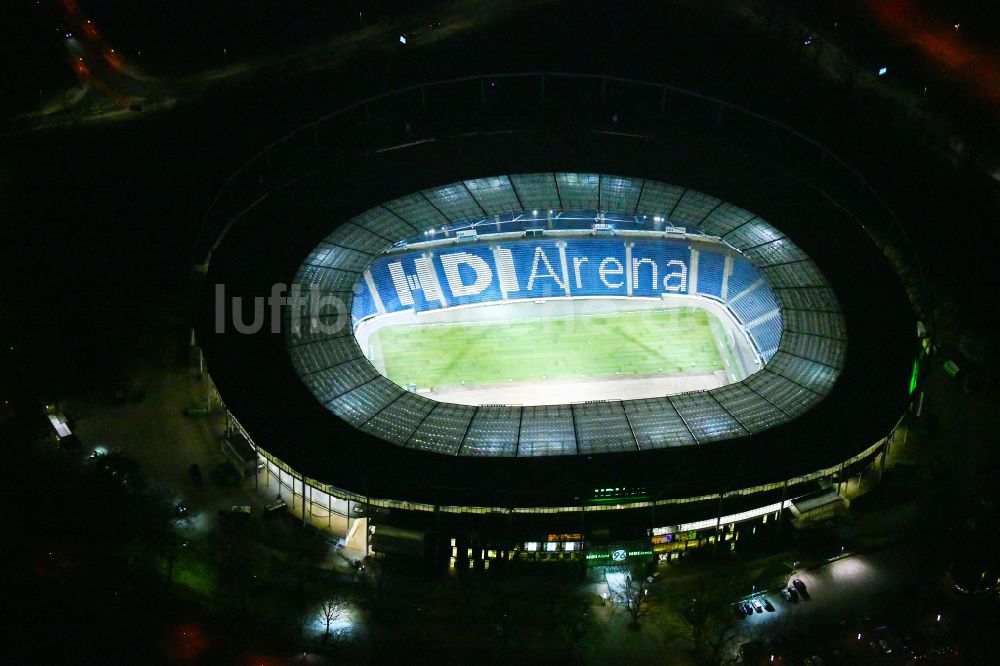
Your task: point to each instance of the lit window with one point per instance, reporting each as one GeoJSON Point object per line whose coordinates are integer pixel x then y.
{"type": "Point", "coordinates": [551, 546]}
{"type": "Point", "coordinates": [569, 546]}
{"type": "Point", "coordinates": [531, 546]}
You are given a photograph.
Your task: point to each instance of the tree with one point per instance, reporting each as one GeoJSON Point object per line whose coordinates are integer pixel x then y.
{"type": "Point", "coordinates": [713, 627]}
{"type": "Point", "coordinates": [627, 590]}
{"type": "Point", "coordinates": [162, 543]}
{"type": "Point", "coordinates": [331, 609]}
{"type": "Point", "coordinates": [705, 619]}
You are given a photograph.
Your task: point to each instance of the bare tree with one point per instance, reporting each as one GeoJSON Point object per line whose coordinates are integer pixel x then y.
{"type": "Point", "coordinates": [330, 610]}
{"type": "Point", "coordinates": [163, 544]}
{"type": "Point", "coordinates": [714, 627]}
{"type": "Point", "coordinates": [703, 617]}
{"type": "Point", "coordinates": [174, 557]}
{"type": "Point", "coordinates": [627, 590]}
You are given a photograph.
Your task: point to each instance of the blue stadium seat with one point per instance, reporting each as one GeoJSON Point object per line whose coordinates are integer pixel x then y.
{"type": "Point", "coordinates": [383, 283]}
{"type": "Point", "coordinates": [767, 335]}
{"type": "Point", "coordinates": [743, 276]}
{"type": "Point", "coordinates": [406, 282]}
{"type": "Point", "coordinates": [467, 274]}
{"type": "Point", "coordinates": [660, 267]}
{"type": "Point", "coordinates": [537, 269]}
{"type": "Point", "coordinates": [596, 267]}
{"type": "Point", "coordinates": [754, 304]}
{"type": "Point", "coordinates": [480, 272]}
{"type": "Point", "coordinates": [711, 266]}
{"type": "Point", "coordinates": [363, 304]}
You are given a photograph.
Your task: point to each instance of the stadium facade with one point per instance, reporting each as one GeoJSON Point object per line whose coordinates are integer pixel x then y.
{"type": "Point", "coordinates": [403, 205]}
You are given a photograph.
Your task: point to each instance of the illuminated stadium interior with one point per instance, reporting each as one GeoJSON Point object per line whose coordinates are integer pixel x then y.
{"type": "Point", "coordinates": [485, 299]}
{"type": "Point", "coordinates": [564, 313]}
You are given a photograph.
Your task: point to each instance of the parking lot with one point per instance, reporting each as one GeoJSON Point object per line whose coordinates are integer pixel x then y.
{"type": "Point", "coordinates": [856, 598]}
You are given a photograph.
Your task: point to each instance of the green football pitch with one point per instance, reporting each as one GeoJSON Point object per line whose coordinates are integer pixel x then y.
{"type": "Point", "coordinates": [644, 342]}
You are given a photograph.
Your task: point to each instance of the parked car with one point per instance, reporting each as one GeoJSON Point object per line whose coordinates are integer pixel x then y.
{"type": "Point", "coordinates": [793, 594]}
{"type": "Point", "coordinates": [747, 608]}
{"type": "Point", "coordinates": [757, 607]}
{"type": "Point", "coordinates": [768, 606]}
{"type": "Point", "coordinates": [786, 593]}
{"type": "Point", "coordinates": [236, 512]}
{"type": "Point", "coordinates": [799, 585]}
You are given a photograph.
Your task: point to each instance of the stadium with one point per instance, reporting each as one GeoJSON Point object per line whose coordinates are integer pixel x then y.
{"type": "Point", "coordinates": [614, 305]}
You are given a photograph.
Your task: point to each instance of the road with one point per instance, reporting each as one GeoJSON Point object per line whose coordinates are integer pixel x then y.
{"type": "Point", "coordinates": [112, 88]}
{"type": "Point", "coordinates": [940, 41]}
